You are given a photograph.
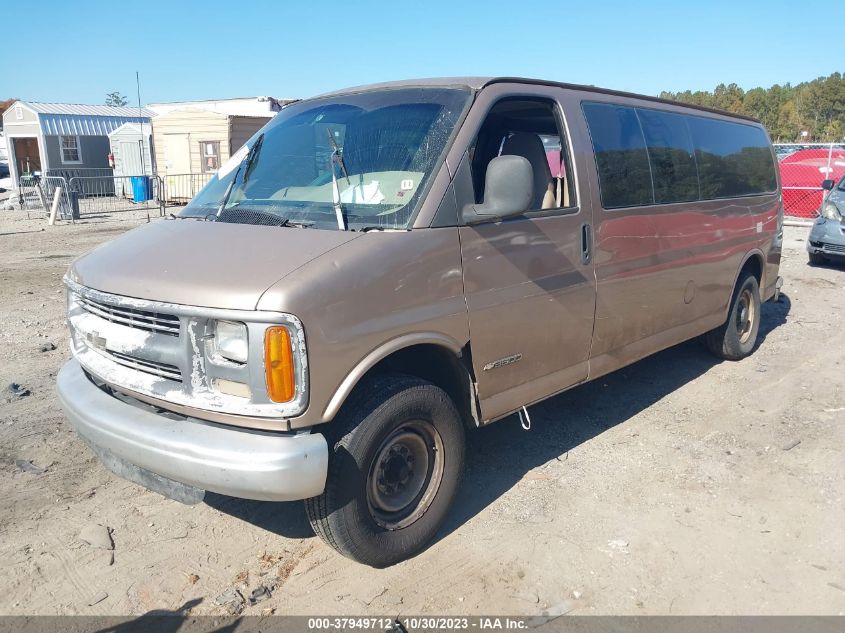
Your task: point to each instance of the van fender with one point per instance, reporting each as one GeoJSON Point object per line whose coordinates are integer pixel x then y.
{"type": "Point", "coordinates": [377, 355]}
{"type": "Point", "coordinates": [752, 253]}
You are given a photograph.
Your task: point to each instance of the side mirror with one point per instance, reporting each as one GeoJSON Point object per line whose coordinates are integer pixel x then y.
{"type": "Point", "coordinates": [508, 189]}
{"type": "Point", "coordinates": [827, 185]}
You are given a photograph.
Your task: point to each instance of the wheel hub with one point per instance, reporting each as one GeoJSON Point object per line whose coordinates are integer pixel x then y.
{"type": "Point", "coordinates": [745, 315]}
{"type": "Point", "coordinates": [405, 475]}
{"type": "Point", "coordinates": [396, 471]}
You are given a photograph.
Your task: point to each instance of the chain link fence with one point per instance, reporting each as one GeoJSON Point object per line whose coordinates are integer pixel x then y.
{"type": "Point", "coordinates": [803, 167]}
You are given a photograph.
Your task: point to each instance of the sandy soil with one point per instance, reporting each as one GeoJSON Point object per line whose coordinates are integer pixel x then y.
{"type": "Point", "coordinates": [678, 485]}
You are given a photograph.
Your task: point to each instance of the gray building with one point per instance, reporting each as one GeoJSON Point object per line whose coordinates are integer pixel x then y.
{"type": "Point", "coordinates": [61, 138]}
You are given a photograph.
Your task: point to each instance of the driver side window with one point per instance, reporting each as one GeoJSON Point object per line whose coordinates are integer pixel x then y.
{"type": "Point", "coordinates": [527, 128]}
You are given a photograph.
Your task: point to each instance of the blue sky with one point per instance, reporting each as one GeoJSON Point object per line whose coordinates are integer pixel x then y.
{"type": "Point", "coordinates": [79, 51]}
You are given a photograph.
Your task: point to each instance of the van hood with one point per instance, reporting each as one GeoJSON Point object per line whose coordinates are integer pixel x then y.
{"type": "Point", "coordinates": [201, 263]}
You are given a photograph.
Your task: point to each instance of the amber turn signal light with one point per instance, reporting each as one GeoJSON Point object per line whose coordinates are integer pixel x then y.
{"type": "Point", "coordinates": [278, 364]}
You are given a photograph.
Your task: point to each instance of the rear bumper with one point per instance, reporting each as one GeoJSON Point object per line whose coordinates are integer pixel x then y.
{"type": "Point", "coordinates": [259, 465]}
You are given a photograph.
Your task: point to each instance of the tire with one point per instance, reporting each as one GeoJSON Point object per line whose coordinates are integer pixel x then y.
{"type": "Point", "coordinates": [817, 259]}
{"type": "Point", "coordinates": [736, 337]}
{"type": "Point", "coordinates": [395, 463]}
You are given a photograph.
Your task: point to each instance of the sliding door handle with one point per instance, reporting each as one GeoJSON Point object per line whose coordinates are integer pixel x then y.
{"type": "Point", "coordinates": [586, 244]}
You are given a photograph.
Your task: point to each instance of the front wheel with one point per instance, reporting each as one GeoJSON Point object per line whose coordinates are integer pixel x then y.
{"type": "Point", "coordinates": [394, 469]}
{"type": "Point", "coordinates": [736, 338]}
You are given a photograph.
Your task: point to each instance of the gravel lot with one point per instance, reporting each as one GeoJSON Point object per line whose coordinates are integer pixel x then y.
{"type": "Point", "coordinates": [678, 485]}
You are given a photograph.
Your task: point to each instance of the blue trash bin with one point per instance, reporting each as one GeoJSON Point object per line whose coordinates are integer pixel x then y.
{"type": "Point", "coordinates": [142, 188]}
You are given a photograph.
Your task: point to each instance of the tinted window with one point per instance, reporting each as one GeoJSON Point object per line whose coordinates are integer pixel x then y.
{"type": "Point", "coordinates": [733, 159]}
{"type": "Point", "coordinates": [671, 154]}
{"type": "Point", "coordinates": [621, 157]}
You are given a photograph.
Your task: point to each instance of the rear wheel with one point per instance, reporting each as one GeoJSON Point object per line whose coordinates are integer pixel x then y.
{"type": "Point", "coordinates": [817, 259]}
{"type": "Point", "coordinates": [395, 463]}
{"type": "Point", "coordinates": [736, 338]}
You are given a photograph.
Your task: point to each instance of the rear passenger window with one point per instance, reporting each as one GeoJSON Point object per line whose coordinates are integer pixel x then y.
{"type": "Point", "coordinates": [733, 159]}
{"type": "Point", "coordinates": [672, 157]}
{"type": "Point", "coordinates": [621, 156]}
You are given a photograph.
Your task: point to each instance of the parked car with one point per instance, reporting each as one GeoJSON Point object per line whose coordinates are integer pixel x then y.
{"type": "Point", "coordinates": [827, 237]}
{"type": "Point", "coordinates": [382, 269]}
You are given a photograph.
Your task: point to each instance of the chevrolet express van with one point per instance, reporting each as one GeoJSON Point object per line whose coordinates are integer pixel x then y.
{"type": "Point", "coordinates": [380, 269]}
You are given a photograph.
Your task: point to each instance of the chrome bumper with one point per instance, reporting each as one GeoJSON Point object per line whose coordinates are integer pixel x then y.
{"type": "Point", "coordinates": [152, 449]}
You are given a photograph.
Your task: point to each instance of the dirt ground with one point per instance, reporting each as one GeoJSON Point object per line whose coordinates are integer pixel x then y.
{"type": "Point", "coordinates": [679, 485]}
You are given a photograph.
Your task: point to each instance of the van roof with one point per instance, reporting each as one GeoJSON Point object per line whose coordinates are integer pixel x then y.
{"type": "Point", "coordinates": [477, 83]}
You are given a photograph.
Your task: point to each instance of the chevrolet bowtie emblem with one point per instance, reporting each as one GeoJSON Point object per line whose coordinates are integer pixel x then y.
{"type": "Point", "coordinates": [95, 340]}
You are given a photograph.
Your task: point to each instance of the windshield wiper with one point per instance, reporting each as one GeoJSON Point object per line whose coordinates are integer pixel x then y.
{"type": "Point", "coordinates": [250, 158]}
{"type": "Point", "coordinates": [300, 224]}
{"type": "Point", "coordinates": [337, 159]}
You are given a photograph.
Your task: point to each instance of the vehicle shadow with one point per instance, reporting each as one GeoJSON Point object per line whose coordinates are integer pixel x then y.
{"type": "Point", "coordinates": [499, 456]}
{"type": "Point", "coordinates": [833, 263]}
{"type": "Point", "coordinates": [283, 518]}
{"type": "Point", "coordinates": [773, 315]}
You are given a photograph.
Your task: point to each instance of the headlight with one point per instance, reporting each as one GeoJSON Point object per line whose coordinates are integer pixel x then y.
{"type": "Point", "coordinates": [830, 211]}
{"type": "Point", "coordinates": [231, 341]}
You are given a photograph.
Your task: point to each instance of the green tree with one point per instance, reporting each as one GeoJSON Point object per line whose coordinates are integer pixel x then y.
{"type": "Point", "coordinates": [116, 99]}
{"type": "Point", "coordinates": [817, 106]}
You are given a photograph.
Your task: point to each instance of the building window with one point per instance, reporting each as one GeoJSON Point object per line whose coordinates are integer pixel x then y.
{"type": "Point", "coordinates": [210, 155]}
{"type": "Point", "coordinates": [70, 149]}
{"type": "Point", "coordinates": [18, 112]}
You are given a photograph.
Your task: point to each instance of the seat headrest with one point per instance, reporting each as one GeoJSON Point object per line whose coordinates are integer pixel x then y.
{"type": "Point", "coordinates": [530, 147]}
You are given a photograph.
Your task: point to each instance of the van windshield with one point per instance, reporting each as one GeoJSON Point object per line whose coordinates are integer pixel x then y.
{"type": "Point", "coordinates": [364, 156]}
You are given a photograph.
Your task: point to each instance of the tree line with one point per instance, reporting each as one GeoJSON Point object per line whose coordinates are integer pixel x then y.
{"type": "Point", "coordinates": [816, 107]}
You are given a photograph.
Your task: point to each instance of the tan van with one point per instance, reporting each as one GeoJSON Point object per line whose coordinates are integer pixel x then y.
{"type": "Point", "coordinates": [383, 268]}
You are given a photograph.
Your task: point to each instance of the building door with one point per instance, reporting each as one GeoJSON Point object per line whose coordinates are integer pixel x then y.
{"type": "Point", "coordinates": [529, 282]}
{"type": "Point", "coordinates": [177, 165]}
{"type": "Point", "coordinates": [177, 153]}
{"type": "Point", "coordinates": [27, 156]}
{"type": "Point", "coordinates": [130, 158]}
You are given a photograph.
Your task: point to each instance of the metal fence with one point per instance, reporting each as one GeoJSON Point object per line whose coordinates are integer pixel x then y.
{"type": "Point", "coordinates": [803, 167]}
{"type": "Point", "coordinates": [73, 172]}
{"type": "Point", "coordinates": [99, 193]}
{"type": "Point", "coordinates": [180, 188]}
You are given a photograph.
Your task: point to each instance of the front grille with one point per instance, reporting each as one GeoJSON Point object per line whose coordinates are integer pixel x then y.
{"type": "Point", "coordinates": [163, 370]}
{"type": "Point", "coordinates": [834, 248]}
{"type": "Point", "coordinates": [132, 317]}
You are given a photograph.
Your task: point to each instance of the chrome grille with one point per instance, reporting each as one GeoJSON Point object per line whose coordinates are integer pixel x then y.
{"type": "Point", "coordinates": [163, 370]}
{"type": "Point", "coordinates": [132, 317]}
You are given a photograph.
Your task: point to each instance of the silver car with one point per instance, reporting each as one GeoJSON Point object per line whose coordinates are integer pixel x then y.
{"type": "Point", "coordinates": [827, 237]}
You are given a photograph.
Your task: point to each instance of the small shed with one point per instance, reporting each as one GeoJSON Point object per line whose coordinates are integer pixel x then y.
{"type": "Point", "coordinates": [131, 148]}
{"type": "Point", "coordinates": [196, 141]}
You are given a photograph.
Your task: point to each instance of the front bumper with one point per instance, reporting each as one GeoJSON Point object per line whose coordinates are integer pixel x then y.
{"type": "Point", "coordinates": [827, 237]}
{"type": "Point", "coordinates": [151, 448]}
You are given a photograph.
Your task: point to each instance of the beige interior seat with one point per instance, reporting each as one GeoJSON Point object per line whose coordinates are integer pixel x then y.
{"type": "Point", "coordinates": [530, 147]}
